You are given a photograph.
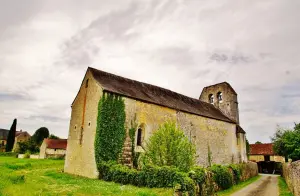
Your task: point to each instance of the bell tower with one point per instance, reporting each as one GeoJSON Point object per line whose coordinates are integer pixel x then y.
{"type": "Point", "coordinates": [224, 97]}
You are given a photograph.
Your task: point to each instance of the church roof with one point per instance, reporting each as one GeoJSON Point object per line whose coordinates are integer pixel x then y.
{"type": "Point", "coordinates": [156, 95]}
{"type": "Point", "coordinates": [261, 149]}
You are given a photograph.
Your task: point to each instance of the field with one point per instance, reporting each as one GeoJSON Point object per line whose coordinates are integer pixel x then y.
{"type": "Point", "coordinates": [45, 177]}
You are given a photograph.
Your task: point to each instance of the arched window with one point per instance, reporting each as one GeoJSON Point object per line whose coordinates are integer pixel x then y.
{"type": "Point", "coordinates": [220, 96]}
{"type": "Point", "coordinates": [211, 98]}
{"type": "Point", "coordinates": [139, 137]}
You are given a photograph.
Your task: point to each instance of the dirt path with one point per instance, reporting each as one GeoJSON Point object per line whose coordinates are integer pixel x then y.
{"type": "Point", "coordinates": [267, 185]}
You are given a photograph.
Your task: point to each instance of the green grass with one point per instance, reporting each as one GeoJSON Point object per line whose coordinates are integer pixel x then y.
{"type": "Point", "coordinates": [45, 177]}
{"type": "Point", "coordinates": [283, 188]}
{"type": "Point", "coordinates": [238, 186]}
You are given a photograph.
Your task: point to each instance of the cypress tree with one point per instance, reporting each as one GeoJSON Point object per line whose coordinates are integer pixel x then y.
{"type": "Point", "coordinates": [11, 137]}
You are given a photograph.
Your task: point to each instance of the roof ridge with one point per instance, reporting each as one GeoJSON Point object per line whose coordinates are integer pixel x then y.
{"type": "Point", "coordinates": [182, 95]}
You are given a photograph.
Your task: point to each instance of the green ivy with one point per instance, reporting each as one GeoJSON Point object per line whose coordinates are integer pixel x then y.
{"type": "Point", "coordinates": [110, 133]}
{"type": "Point", "coordinates": [132, 132]}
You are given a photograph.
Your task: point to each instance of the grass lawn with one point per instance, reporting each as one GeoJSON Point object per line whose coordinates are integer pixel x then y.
{"type": "Point", "coordinates": [45, 177]}
{"type": "Point", "coordinates": [238, 186]}
{"type": "Point", "coordinates": [283, 188]}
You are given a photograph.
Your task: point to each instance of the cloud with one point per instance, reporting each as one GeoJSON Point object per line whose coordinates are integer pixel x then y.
{"type": "Point", "coordinates": [180, 45]}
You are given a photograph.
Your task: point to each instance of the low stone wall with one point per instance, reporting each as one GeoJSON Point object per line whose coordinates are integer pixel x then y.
{"type": "Point", "coordinates": [210, 188]}
{"type": "Point", "coordinates": [34, 156]}
{"type": "Point", "coordinates": [249, 170]}
{"type": "Point", "coordinates": [21, 156]}
{"type": "Point", "coordinates": [291, 174]}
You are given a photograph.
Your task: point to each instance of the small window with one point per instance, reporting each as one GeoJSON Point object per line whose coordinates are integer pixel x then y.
{"type": "Point", "coordinates": [75, 127]}
{"type": "Point", "coordinates": [89, 123]}
{"type": "Point", "coordinates": [87, 83]}
{"type": "Point", "coordinates": [211, 98]}
{"type": "Point", "coordinates": [139, 137]}
{"type": "Point", "coordinates": [220, 96]}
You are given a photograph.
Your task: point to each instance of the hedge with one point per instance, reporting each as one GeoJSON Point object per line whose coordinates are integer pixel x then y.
{"type": "Point", "coordinates": [8, 154]}
{"type": "Point", "coordinates": [150, 176]}
{"type": "Point", "coordinates": [158, 177]}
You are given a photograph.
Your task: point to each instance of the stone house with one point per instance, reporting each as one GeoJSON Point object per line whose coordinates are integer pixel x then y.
{"type": "Point", "coordinates": [53, 148]}
{"type": "Point", "coordinates": [210, 122]}
{"type": "Point", "coordinates": [264, 156]}
{"type": "Point", "coordinates": [20, 136]}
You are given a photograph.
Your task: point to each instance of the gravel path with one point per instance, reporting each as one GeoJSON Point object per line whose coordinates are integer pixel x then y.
{"type": "Point", "coordinates": [267, 185]}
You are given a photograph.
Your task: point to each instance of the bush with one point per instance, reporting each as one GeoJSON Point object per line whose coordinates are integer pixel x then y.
{"type": "Point", "coordinates": [8, 154]}
{"type": "Point", "coordinates": [237, 173]}
{"type": "Point", "coordinates": [27, 155]}
{"type": "Point", "coordinates": [168, 146]}
{"type": "Point", "coordinates": [150, 176]}
{"type": "Point", "coordinates": [198, 175]}
{"type": "Point", "coordinates": [222, 176]}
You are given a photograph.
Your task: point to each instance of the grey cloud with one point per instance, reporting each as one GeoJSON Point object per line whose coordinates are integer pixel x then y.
{"type": "Point", "coordinates": [230, 58]}
{"type": "Point", "coordinates": [13, 97]}
{"type": "Point", "coordinates": [47, 118]}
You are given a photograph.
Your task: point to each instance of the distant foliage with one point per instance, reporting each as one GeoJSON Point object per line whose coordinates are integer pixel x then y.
{"type": "Point", "coordinates": [168, 146]}
{"type": "Point", "coordinates": [11, 137]}
{"type": "Point", "coordinates": [39, 136]}
{"type": "Point", "coordinates": [287, 142]}
{"type": "Point", "coordinates": [28, 146]}
{"type": "Point", "coordinates": [53, 137]}
{"type": "Point", "coordinates": [110, 133]}
{"type": "Point", "coordinates": [258, 142]}
{"type": "Point", "coordinates": [247, 148]}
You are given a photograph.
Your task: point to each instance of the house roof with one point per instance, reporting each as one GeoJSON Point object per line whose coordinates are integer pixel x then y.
{"type": "Point", "coordinates": [56, 143]}
{"type": "Point", "coordinates": [18, 133]}
{"type": "Point", "coordinates": [261, 149]}
{"type": "Point", "coordinates": [156, 95]}
{"type": "Point", "coordinates": [3, 134]}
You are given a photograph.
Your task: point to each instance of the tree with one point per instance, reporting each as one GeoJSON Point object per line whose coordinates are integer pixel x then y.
{"type": "Point", "coordinates": [247, 148]}
{"type": "Point", "coordinates": [258, 142]}
{"type": "Point", "coordinates": [40, 135]}
{"type": "Point", "coordinates": [53, 137]}
{"type": "Point", "coordinates": [11, 136]}
{"type": "Point", "coordinates": [168, 146]}
{"type": "Point", "coordinates": [287, 142]}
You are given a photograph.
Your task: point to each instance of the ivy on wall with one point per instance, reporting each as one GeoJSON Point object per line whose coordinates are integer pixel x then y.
{"type": "Point", "coordinates": [110, 133]}
{"type": "Point", "coordinates": [132, 131]}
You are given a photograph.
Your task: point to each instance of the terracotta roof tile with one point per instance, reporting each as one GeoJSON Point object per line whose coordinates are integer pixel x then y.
{"type": "Point", "coordinates": [261, 149]}
{"type": "Point", "coordinates": [56, 143]}
{"type": "Point", "coordinates": [156, 95]}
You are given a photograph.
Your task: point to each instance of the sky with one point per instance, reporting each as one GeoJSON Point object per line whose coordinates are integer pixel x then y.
{"type": "Point", "coordinates": [183, 45]}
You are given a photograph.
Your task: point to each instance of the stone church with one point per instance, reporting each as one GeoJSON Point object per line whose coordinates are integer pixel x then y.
{"type": "Point", "coordinates": [210, 122]}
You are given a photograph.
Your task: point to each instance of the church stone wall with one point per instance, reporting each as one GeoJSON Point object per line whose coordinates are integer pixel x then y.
{"type": "Point", "coordinates": [80, 158]}
{"type": "Point", "coordinates": [204, 132]}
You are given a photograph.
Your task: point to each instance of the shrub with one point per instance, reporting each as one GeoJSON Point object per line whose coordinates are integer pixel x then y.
{"type": "Point", "coordinates": [39, 135]}
{"type": "Point", "coordinates": [222, 176]}
{"type": "Point", "coordinates": [27, 155]}
{"type": "Point", "coordinates": [198, 175]}
{"type": "Point", "coordinates": [237, 173]}
{"type": "Point", "coordinates": [8, 154]}
{"type": "Point", "coordinates": [150, 176]}
{"type": "Point", "coordinates": [168, 146]}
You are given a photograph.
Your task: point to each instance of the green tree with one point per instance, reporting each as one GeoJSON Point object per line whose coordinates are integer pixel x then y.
{"type": "Point", "coordinates": [247, 147]}
{"type": "Point", "coordinates": [258, 142]}
{"type": "Point", "coordinates": [287, 142]}
{"type": "Point", "coordinates": [110, 132]}
{"type": "Point", "coordinates": [168, 146]}
{"type": "Point", "coordinates": [53, 137]}
{"type": "Point", "coordinates": [40, 135]}
{"type": "Point", "coordinates": [11, 137]}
